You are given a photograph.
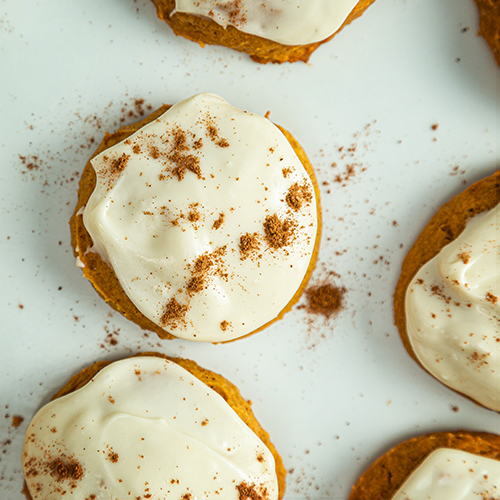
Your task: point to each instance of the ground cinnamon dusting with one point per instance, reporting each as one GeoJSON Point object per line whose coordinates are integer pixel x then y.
{"type": "Point", "coordinates": [491, 298]}
{"type": "Point", "coordinates": [113, 457]}
{"type": "Point", "coordinates": [218, 223]}
{"type": "Point", "coordinates": [278, 233]}
{"type": "Point", "coordinates": [213, 135]}
{"type": "Point", "coordinates": [154, 152]}
{"type": "Point", "coordinates": [224, 325]}
{"type": "Point", "coordinates": [326, 300]}
{"type": "Point", "coordinates": [183, 161]}
{"type": "Point", "coordinates": [298, 195]}
{"type": "Point", "coordinates": [248, 243]}
{"type": "Point", "coordinates": [118, 165]}
{"type": "Point", "coordinates": [195, 285]}
{"type": "Point", "coordinates": [17, 420]}
{"type": "Point", "coordinates": [252, 492]}
{"type": "Point", "coordinates": [193, 216]}
{"type": "Point", "coordinates": [65, 469]}
{"type": "Point", "coordinates": [174, 314]}
{"type": "Point", "coordinates": [465, 256]}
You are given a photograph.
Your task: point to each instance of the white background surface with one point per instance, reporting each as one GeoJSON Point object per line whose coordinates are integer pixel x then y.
{"type": "Point", "coordinates": [333, 394]}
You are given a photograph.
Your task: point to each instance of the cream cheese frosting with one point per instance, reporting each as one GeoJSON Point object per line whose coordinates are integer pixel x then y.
{"type": "Point", "coordinates": [207, 217]}
{"type": "Point", "coordinates": [452, 474]}
{"type": "Point", "coordinates": [144, 428]}
{"type": "Point", "coordinates": [453, 315]}
{"type": "Point", "coordinates": [290, 22]}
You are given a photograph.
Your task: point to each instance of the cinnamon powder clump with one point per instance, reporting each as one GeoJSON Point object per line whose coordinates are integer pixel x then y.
{"type": "Point", "coordinates": [218, 223]}
{"type": "Point", "coordinates": [174, 314]}
{"type": "Point", "coordinates": [17, 420]}
{"type": "Point", "coordinates": [325, 299]}
{"type": "Point", "coordinates": [213, 135]}
{"type": "Point", "coordinates": [118, 165]}
{"type": "Point", "coordinates": [491, 298]}
{"type": "Point", "coordinates": [193, 216]}
{"type": "Point", "coordinates": [195, 285]}
{"type": "Point", "coordinates": [248, 243]}
{"type": "Point", "coordinates": [206, 265]}
{"type": "Point", "coordinates": [154, 152]}
{"type": "Point", "coordinates": [65, 469]}
{"type": "Point", "coordinates": [465, 256]}
{"type": "Point", "coordinates": [248, 491]}
{"type": "Point", "coordinates": [298, 195]}
{"type": "Point", "coordinates": [278, 233]}
{"type": "Point", "coordinates": [182, 161]}
{"type": "Point", "coordinates": [113, 457]}
{"type": "Point", "coordinates": [224, 325]}
{"type": "Point", "coordinates": [180, 140]}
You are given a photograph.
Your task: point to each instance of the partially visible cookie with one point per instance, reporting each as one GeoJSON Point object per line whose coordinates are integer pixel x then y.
{"type": "Point", "coordinates": [272, 31]}
{"type": "Point", "coordinates": [489, 23]}
{"type": "Point", "coordinates": [147, 427]}
{"type": "Point", "coordinates": [387, 474]}
{"type": "Point", "coordinates": [446, 301]}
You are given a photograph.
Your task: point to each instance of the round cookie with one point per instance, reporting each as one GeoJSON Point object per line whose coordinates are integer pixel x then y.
{"type": "Point", "coordinates": [388, 473]}
{"type": "Point", "coordinates": [203, 29]}
{"type": "Point", "coordinates": [236, 264]}
{"type": "Point", "coordinates": [444, 228]}
{"type": "Point", "coordinates": [489, 23]}
{"type": "Point", "coordinates": [64, 467]}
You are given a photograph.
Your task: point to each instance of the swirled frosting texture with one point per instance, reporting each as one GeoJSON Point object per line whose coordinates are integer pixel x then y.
{"type": "Point", "coordinates": [290, 22]}
{"type": "Point", "coordinates": [144, 428]}
{"type": "Point", "coordinates": [453, 314]}
{"type": "Point", "coordinates": [207, 217]}
{"type": "Point", "coordinates": [452, 474]}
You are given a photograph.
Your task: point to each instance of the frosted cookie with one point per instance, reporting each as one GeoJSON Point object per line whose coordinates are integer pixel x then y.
{"type": "Point", "coordinates": [201, 222]}
{"type": "Point", "coordinates": [441, 466]}
{"type": "Point", "coordinates": [446, 301]}
{"type": "Point", "coordinates": [489, 22]}
{"type": "Point", "coordinates": [150, 427]}
{"type": "Point", "coordinates": [271, 31]}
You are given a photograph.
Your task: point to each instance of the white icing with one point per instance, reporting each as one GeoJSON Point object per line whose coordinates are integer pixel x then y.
{"type": "Point", "coordinates": [144, 426]}
{"type": "Point", "coordinates": [448, 474]}
{"type": "Point", "coordinates": [131, 215]}
{"type": "Point", "coordinates": [453, 312]}
{"type": "Point", "coordinates": [290, 22]}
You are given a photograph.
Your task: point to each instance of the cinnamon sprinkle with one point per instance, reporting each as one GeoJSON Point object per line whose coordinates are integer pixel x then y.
{"type": "Point", "coordinates": [224, 325]}
{"type": "Point", "coordinates": [326, 300]}
{"type": "Point", "coordinates": [278, 233]}
{"type": "Point", "coordinates": [491, 298]}
{"type": "Point", "coordinates": [218, 223]}
{"type": "Point", "coordinates": [465, 256]}
{"type": "Point", "coordinates": [298, 195]}
{"type": "Point", "coordinates": [17, 420]}
{"type": "Point", "coordinates": [174, 314]}
{"type": "Point", "coordinates": [248, 491]}
{"type": "Point", "coordinates": [65, 469]}
{"type": "Point", "coordinates": [195, 285]}
{"type": "Point", "coordinates": [118, 165]}
{"type": "Point", "coordinates": [248, 243]}
{"type": "Point", "coordinates": [213, 135]}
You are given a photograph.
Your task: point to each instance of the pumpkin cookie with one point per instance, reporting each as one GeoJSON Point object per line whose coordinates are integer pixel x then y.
{"type": "Point", "coordinates": [446, 301]}
{"type": "Point", "coordinates": [469, 460]}
{"type": "Point", "coordinates": [271, 31]}
{"type": "Point", "coordinates": [150, 426]}
{"type": "Point", "coordinates": [201, 222]}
